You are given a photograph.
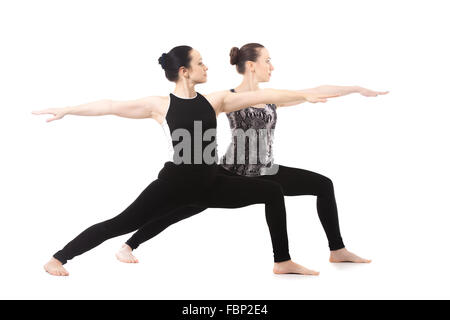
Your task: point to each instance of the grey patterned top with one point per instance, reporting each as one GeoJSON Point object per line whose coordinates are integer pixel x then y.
{"type": "Point", "coordinates": [250, 151]}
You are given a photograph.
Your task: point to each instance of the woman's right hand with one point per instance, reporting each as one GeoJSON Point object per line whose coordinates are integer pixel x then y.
{"type": "Point", "coordinates": [58, 113]}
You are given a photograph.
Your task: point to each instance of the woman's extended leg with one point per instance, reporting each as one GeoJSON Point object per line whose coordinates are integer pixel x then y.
{"type": "Point", "coordinates": [157, 199]}
{"type": "Point", "coordinates": [156, 226]}
{"type": "Point", "coordinates": [152, 228]}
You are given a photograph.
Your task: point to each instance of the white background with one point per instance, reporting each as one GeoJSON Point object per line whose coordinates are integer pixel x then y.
{"type": "Point", "coordinates": [387, 156]}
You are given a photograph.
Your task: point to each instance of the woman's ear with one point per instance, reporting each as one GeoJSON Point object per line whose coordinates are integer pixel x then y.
{"type": "Point", "coordinates": [183, 72]}
{"type": "Point", "coordinates": [250, 65]}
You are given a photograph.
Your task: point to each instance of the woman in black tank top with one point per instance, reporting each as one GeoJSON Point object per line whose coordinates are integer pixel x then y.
{"type": "Point", "coordinates": [191, 178]}
{"type": "Point", "coordinates": [293, 181]}
{"type": "Point", "coordinates": [188, 122]}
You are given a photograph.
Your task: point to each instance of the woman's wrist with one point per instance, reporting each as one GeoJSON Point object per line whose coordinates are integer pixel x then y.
{"type": "Point", "coordinates": [67, 110]}
{"type": "Point", "coordinates": [358, 89]}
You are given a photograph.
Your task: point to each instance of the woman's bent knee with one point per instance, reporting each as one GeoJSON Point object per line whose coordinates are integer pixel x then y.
{"type": "Point", "coordinates": [326, 187]}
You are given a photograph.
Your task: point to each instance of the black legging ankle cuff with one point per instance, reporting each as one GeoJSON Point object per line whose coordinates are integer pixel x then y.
{"type": "Point", "coordinates": [282, 259]}
{"type": "Point", "coordinates": [132, 245]}
{"type": "Point", "coordinates": [336, 246]}
{"type": "Point", "coordinates": [58, 257]}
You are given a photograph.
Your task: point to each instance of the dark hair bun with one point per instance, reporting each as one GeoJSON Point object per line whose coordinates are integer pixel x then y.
{"type": "Point", "coordinates": [163, 60]}
{"type": "Point", "coordinates": [234, 55]}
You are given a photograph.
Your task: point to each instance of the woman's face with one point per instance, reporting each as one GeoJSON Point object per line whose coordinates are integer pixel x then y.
{"type": "Point", "coordinates": [263, 66]}
{"type": "Point", "coordinates": [197, 70]}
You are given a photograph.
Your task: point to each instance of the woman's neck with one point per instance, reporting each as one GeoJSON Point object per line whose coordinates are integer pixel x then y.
{"type": "Point", "coordinates": [249, 83]}
{"type": "Point", "coordinates": [183, 89]}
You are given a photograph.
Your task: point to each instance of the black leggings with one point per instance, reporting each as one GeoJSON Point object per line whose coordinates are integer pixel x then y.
{"type": "Point", "coordinates": [163, 196]}
{"type": "Point", "coordinates": [293, 181]}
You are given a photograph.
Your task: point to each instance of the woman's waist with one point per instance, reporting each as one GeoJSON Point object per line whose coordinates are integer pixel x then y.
{"type": "Point", "coordinates": [198, 174]}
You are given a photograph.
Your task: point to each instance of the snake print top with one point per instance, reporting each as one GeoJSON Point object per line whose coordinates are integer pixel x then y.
{"type": "Point", "coordinates": [250, 151]}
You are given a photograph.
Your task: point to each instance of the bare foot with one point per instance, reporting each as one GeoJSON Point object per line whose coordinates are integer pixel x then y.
{"type": "Point", "coordinates": [343, 255]}
{"type": "Point", "coordinates": [292, 267]}
{"type": "Point", "coordinates": [124, 255]}
{"type": "Point", "coordinates": [55, 268]}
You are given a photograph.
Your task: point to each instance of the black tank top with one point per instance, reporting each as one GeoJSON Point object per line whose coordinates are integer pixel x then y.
{"type": "Point", "coordinates": [192, 124]}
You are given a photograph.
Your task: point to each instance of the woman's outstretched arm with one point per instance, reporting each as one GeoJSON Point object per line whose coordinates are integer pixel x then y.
{"type": "Point", "coordinates": [148, 107]}
{"type": "Point", "coordinates": [226, 101]}
{"type": "Point", "coordinates": [338, 91]}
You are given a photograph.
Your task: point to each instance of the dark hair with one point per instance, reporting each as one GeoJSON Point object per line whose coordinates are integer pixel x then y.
{"type": "Point", "coordinates": [173, 60]}
{"type": "Point", "coordinates": [247, 52]}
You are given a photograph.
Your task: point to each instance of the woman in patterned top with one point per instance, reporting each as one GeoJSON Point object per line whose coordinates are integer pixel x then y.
{"type": "Point", "coordinates": [250, 154]}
